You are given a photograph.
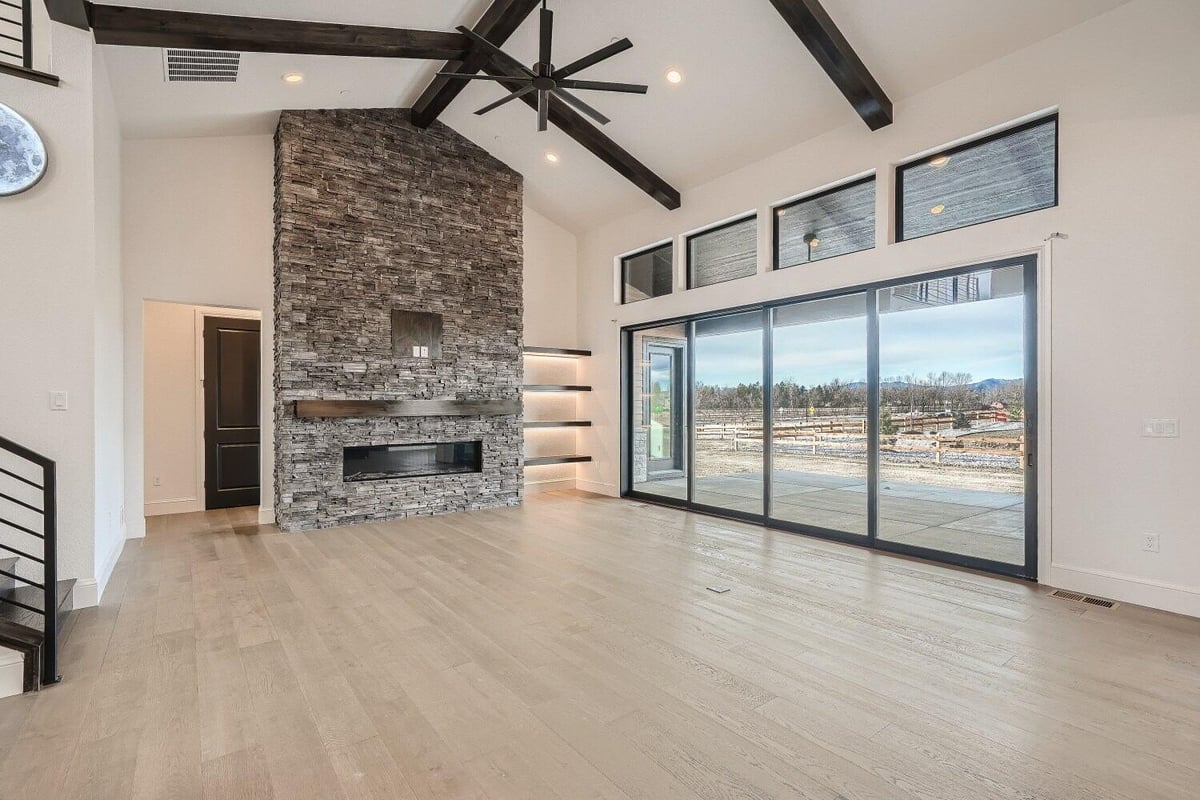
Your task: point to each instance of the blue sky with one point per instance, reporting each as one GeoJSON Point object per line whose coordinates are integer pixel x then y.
{"type": "Point", "coordinates": [984, 339]}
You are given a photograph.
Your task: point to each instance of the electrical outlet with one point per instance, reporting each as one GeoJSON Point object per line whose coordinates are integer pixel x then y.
{"type": "Point", "coordinates": [157, 481]}
{"type": "Point", "coordinates": [1150, 542]}
{"type": "Point", "coordinates": [58, 400]}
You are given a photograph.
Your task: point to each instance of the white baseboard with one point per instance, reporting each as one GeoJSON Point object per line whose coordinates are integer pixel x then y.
{"type": "Point", "coordinates": [596, 487]}
{"type": "Point", "coordinates": [266, 515]}
{"type": "Point", "coordinates": [556, 485]}
{"type": "Point", "coordinates": [86, 593]}
{"type": "Point", "coordinates": [106, 570]}
{"type": "Point", "coordinates": [12, 672]}
{"type": "Point", "coordinates": [182, 505]}
{"type": "Point", "coordinates": [1173, 597]}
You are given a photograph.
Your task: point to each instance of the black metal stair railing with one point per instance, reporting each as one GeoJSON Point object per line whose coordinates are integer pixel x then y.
{"type": "Point", "coordinates": [37, 547]}
{"type": "Point", "coordinates": [16, 32]}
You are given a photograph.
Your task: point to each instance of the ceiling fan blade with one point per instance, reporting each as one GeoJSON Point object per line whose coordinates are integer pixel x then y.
{"type": "Point", "coordinates": [543, 110]}
{"type": "Point", "coordinates": [608, 51]}
{"type": "Point", "coordinates": [605, 86]}
{"type": "Point", "coordinates": [518, 93]}
{"type": "Point", "coordinates": [491, 48]}
{"type": "Point", "coordinates": [467, 77]}
{"type": "Point", "coordinates": [547, 35]}
{"type": "Point", "coordinates": [571, 99]}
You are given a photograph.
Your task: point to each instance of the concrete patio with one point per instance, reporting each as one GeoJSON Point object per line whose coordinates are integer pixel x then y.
{"type": "Point", "coordinates": [972, 522]}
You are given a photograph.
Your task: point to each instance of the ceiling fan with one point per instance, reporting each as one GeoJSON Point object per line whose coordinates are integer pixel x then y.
{"type": "Point", "coordinates": [547, 80]}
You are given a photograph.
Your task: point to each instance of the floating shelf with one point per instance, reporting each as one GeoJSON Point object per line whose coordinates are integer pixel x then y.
{"type": "Point", "coordinates": [561, 352]}
{"type": "Point", "coordinates": [555, 387]}
{"type": "Point", "coordinates": [558, 423]}
{"type": "Point", "coordinates": [541, 462]}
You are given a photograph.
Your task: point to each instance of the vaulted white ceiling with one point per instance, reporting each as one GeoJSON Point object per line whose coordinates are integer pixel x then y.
{"type": "Point", "coordinates": [750, 88]}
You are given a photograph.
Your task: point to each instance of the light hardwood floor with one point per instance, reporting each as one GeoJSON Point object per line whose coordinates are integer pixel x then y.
{"type": "Point", "coordinates": [569, 649]}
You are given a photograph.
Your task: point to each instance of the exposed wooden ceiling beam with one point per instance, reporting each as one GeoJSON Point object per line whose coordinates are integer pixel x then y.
{"type": "Point", "coordinates": [829, 47]}
{"type": "Point", "coordinates": [502, 18]}
{"type": "Point", "coordinates": [588, 135]}
{"type": "Point", "coordinates": [69, 12]}
{"type": "Point", "coordinates": [149, 27]}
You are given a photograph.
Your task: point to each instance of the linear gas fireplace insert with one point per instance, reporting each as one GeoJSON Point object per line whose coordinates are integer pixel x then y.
{"type": "Point", "coordinates": [390, 461]}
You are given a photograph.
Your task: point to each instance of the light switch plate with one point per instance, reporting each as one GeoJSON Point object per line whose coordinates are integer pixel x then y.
{"type": "Point", "coordinates": [58, 400]}
{"type": "Point", "coordinates": [1160, 428]}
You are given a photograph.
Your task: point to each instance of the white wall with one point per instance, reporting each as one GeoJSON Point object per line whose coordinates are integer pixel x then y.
{"type": "Point", "coordinates": [550, 276]}
{"type": "Point", "coordinates": [1120, 333]}
{"type": "Point", "coordinates": [199, 228]}
{"type": "Point", "coordinates": [58, 272]}
{"type": "Point", "coordinates": [551, 270]}
{"type": "Point", "coordinates": [109, 358]}
{"type": "Point", "coordinates": [169, 405]}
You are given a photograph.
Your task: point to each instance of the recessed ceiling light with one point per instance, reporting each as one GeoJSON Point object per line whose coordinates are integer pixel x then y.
{"type": "Point", "coordinates": [293, 77]}
{"type": "Point", "coordinates": [939, 208]}
{"type": "Point", "coordinates": [552, 157]}
{"type": "Point", "coordinates": [939, 161]}
{"type": "Point", "coordinates": [674, 75]}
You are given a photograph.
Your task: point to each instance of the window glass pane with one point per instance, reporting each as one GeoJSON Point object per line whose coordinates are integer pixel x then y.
{"type": "Point", "coordinates": [996, 178]}
{"type": "Point", "coordinates": [729, 412]}
{"type": "Point", "coordinates": [826, 225]}
{"type": "Point", "coordinates": [724, 253]}
{"type": "Point", "coordinates": [647, 274]}
{"type": "Point", "coordinates": [660, 411]}
{"type": "Point", "coordinates": [819, 414]}
{"type": "Point", "coordinates": [952, 417]}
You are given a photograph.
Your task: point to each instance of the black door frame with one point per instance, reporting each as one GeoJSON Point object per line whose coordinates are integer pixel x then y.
{"type": "Point", "coordinates": [1028, 570]}
{"type": "Point", "coordinates": [212, 323]}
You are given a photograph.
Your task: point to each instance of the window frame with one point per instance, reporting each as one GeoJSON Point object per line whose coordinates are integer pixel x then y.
{"type": "Point", "coordinates": [621, 266]}
{"type": "Point", "coordinates": [898, 174]}
{"type": "Point", "coordinates": [817, 195]}
{"type": "Point", "coordinates": [687, 249]}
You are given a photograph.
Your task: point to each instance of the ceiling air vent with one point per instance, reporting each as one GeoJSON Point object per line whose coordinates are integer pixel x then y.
{"type": "Point", "coordinates": [200, 66]}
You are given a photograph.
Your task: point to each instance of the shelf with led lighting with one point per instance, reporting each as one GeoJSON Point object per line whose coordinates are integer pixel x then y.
{"type": "Point", "coordinates": [558, 423]}
{"type": "Point", "coordinates": [555, 387]}
{"type": "Point", "coordinates": [560, 352]}
{"type": "Point", "coordinates": [547, 460]}
{"type": "Point", "coordinates": [538, 365]}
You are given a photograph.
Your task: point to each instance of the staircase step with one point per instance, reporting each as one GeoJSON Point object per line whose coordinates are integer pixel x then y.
{"type": "Point", "coordinates": [8, 565]}
{"type": "Point", "coordinates": [31, 596]}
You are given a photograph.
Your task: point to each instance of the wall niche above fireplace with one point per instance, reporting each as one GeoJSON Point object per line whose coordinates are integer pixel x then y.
{"type": "Point", "coordinates": [390, 461]}
{"type": "Point", "coordinates": [416, 334]}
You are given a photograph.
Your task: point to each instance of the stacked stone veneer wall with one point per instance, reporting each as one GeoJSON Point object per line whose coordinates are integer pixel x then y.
{"type": "Point", "coordinates": [372, 214]}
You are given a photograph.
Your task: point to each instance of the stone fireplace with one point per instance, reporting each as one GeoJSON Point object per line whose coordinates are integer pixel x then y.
{"type": "Point", "coordinates": [398, 269]}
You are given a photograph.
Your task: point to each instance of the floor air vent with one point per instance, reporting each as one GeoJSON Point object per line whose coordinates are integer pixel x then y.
{"type": "Point", "coordinates": [1083, 598]}
{"type": "Point", "coordinates": [200, 66]}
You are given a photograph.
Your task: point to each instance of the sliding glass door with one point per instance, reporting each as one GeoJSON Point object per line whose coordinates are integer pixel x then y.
{"type": "Point", "coordinates": [953, 424]}
{"type": "Point", "coordinates": [819, 442]}
{"type": "Point", "coordinates": [728, 400]}
{"type": "Point", "coordinates": [899, 415]}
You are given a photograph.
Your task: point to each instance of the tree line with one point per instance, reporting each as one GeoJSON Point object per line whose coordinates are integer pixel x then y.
{"type": "Point", "coordinates": [933, 393]}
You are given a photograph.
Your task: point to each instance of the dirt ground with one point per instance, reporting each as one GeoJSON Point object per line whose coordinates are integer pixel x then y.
{"type": "Point", "coordinates": [718, 458]}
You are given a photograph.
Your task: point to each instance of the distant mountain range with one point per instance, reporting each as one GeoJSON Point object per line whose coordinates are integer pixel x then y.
{"type": "Point", "coordinates": [983, 386]}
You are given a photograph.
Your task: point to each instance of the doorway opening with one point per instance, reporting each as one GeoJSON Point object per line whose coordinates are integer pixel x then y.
{"type": "Point", "coordinates": [202, 407]}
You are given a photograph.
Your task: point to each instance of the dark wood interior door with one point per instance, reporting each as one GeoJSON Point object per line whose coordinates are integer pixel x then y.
{"type": "Point", "coordinates": [231, 412]}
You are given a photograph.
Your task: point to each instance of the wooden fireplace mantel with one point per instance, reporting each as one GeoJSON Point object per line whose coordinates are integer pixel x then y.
{"type": "Point", "coordinates": [406, 408]}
